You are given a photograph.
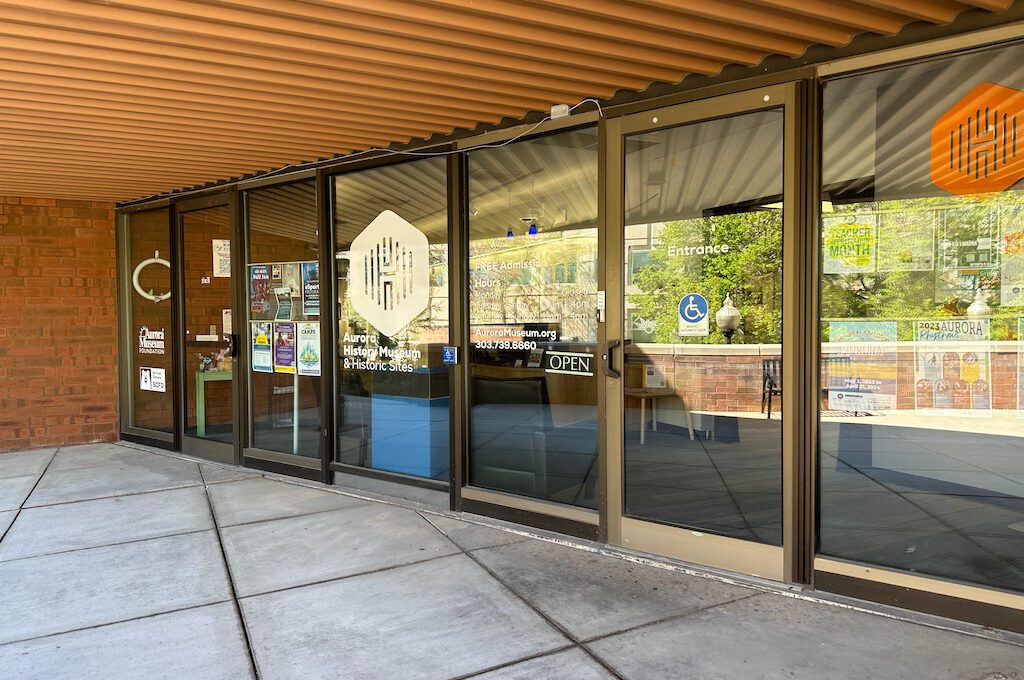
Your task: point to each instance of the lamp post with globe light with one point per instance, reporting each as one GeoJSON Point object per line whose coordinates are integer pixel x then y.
{"type": "Point", "coordinates": [728, 319]}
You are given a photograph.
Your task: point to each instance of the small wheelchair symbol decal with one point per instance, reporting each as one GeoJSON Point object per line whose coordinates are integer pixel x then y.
{"type": "Point", "coordinates": [693, 308]}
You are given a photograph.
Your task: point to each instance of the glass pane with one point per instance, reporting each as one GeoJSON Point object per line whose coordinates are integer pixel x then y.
{"type": "Point", "coordinates": [392, 241]}
{"type": "Point", "coordinates": [922, 299]}
{"type": "Point", "coordinates": [284, 319]}
{"type": "Point", "coordinates": [209, 411]}
{"type": "Point", "coordinates": [702, 383]}
{"type": "Point", "coordinates": [533, 326]}
{"type": "Point", "coordinates": [149, 309]}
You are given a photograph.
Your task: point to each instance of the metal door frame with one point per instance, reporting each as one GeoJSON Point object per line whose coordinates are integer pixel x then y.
{"type": "Point", "coordinates": [790, 562]}
{"type": "Point", "coordinates": [216, 451]}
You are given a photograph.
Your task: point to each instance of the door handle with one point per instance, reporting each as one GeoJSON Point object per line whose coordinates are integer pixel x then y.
{"type": "Point", "coordinates": [608, 357]}
{"type": "Point", "coordinates": [232, 344]}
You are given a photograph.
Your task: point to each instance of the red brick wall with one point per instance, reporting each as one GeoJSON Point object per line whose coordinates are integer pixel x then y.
{"type": "Point", "coordinates": [58, 323]}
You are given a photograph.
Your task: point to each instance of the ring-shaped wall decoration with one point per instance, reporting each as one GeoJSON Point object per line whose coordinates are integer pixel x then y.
{"type": "Point", "coordinates": [156, 259]}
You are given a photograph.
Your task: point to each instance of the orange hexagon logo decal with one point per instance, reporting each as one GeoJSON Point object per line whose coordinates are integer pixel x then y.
{"type": "Point", "coordinates": [976, 145]}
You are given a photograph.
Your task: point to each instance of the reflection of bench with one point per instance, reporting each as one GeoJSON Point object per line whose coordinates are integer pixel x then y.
{"type": "Point", "coordinates": [516, 448]}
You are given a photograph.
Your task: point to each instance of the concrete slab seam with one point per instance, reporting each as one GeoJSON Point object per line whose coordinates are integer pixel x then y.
{"type": "Point", "coordinates": [113, 623]}
{"type": "Point", "coordinates": [545, 617]}
{"type": "Point", "coordinates": [629, 556]}
{"type": "Point", "coordinates": [21, 506]}
{"type": "Point", "coordinates": [231, 579]}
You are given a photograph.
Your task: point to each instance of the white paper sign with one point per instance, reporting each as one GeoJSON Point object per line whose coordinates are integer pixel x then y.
{"type": "Point", "coordinates": [221, 258]}
{"type": "Point", "coordinates": [153, 379]}
{"type": "Point", "coordinates": [225, 318]}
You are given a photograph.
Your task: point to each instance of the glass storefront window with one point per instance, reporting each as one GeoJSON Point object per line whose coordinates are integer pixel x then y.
{"type": "Point", "coordinates": [703, 396]}
{"type": "Point", "coordinates": [922, 307]}
{"type": "Point", "coordinates": [533, 326]}
{"type": "Point", "coordinates": [392, 261]}
{"type": "Point", "coordinates": [148, 277]}
{"type": "Point", "coordinates": [283, 279]}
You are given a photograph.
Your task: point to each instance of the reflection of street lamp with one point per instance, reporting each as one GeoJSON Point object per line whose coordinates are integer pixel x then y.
{"type": "Point", "coordinates": [979, 309]}
{"type": "Point", "coordinates": [728, 319]}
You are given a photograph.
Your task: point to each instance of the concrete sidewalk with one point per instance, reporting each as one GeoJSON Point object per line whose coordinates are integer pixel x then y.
{"type": "Point", "coordinates": [121, 563]}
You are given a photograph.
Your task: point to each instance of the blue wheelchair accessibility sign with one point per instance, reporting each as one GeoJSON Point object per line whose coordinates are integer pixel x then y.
{"type": "Point", "coordinates": [693, 315]}
{"type": "Point", "coordinates": [450, 355]}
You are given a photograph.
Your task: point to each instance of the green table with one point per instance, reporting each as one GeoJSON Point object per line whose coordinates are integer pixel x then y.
{"type": "Point", "coordinates": [203, 377]}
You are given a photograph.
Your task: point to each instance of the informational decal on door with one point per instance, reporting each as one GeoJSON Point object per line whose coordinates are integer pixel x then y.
{"type": "Point", "coordinates": [848, 244]}
{"type": "Point", "coordinates": [221, 258]}
{"type": "Point", "coordinates": [262, 347]}
{"type": "Point", "coordinates": [151, 341]}
{"type": "Point", "coordinates": [371, 352]}
{"type": "Point", "coordinates": [952, 367]}
{"type": "Point", "coordinates": [225, 322]}
{"type": "Point", "coordinates": [693, 316]}
{"type": "Point", "coordinates": [259, 289]}
{"type": "Point", "coordinates": [284, 347]}
{"type": "Point", "coordinates": [310, 288]}
{"type": "Point", "coordinates": [861, 365]}
{"type": "Point", "coordinates": [309, 348]}
{"type": "Point", "coordinates": [152, 379]}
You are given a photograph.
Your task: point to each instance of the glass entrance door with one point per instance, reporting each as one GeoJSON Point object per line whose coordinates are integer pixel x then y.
{"type": "Point", "coordinates": [210, 373]}
{"type": "Point", "coordinates": [697, 304]}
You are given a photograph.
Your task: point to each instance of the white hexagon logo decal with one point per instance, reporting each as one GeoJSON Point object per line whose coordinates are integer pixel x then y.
{"type": "Point", "coordinates": [388, 276]}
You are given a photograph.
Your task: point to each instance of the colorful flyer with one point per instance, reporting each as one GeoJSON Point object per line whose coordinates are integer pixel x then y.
{"type": "Point", "coordinates": [311, 288]}
{"type": "Point", "coordinates": [284, 348]}
{"type": "Point", "coordinates": [952, 359]}
{"type": "Point", "coordinates": [309, 348]}
{"type": "Point", "coordinates": [262, 350]}
{"type": "Point", "coordinates": [860, 366]}
{"type": "Point", "coordinates": [849, 244]}
{"type": "Point", "coordinates": [259, 289]}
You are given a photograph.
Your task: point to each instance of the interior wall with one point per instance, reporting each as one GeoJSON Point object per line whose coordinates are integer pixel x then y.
{"type": "Point", "coordinates": [58, 323]}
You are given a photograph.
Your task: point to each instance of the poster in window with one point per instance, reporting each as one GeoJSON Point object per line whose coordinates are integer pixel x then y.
{"type": "Point", "coordinates": [309, 348]}
{"type": "Point", "coordinates": [968, 238]}
{"type": "Point", "coordinates": [259, 289]}
{"type": "Point", "coordinates": [860, 366]}
{"type": "Point", "coordinates": [849, 243]}
{"type": "Point", "coordinates": [906, 241]}
{"type": "Point", "coordinates": [1011, 276]}
{"type": "Point", "coordinates": [952, 367]}
{"type": "Point", "coordinates": [284, 347]}
{"type": "Point", "coordinates": [311, 288]}
{"type": "Point", "coordinates": [221, 258]}
{"type": "Point", "coordinates": [262, 349]}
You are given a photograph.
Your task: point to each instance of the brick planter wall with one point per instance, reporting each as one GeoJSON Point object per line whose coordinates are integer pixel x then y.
{"type": "Point", "coordinates": [58, 323]}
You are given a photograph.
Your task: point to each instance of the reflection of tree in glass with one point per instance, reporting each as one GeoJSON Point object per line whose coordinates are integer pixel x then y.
{"type": "Point", "coordinates": [965, 235]}
{"type": "Point", "coordinates": [545, 278]}
{"type": "Point", "coordinates": [751, 271]}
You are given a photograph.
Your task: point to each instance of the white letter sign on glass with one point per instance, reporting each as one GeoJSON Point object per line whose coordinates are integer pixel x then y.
{"type": "Point", "coordinates": [389, 278]}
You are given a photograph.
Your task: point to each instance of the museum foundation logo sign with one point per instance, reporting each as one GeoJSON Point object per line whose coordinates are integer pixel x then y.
{"type": "Point", "coordinates": [151, 341]}
{"type": "Point", "coordinates": [977, 145]}
{"type": "Point", "coordinates": [389, 277]}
